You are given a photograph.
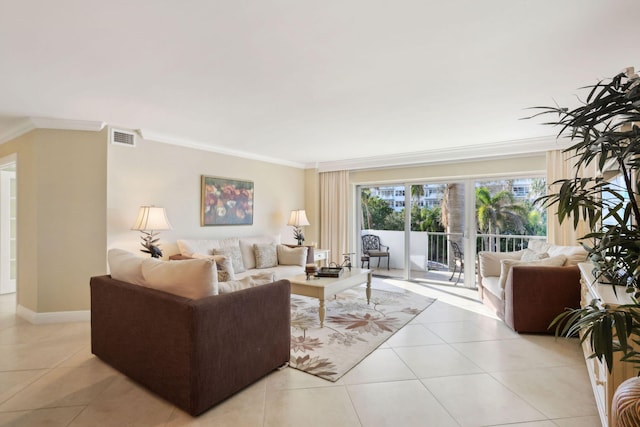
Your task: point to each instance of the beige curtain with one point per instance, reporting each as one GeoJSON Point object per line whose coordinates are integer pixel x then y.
{"type": "Point", "coordinates": [334, 213]}
{"type": "Point", "coordinates": [560, 165]}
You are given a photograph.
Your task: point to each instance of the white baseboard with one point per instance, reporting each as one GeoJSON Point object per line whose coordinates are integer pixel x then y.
{"type": "Point", "coordinates": [53, 316]}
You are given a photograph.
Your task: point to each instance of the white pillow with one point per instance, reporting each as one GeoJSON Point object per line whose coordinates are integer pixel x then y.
{"type": "Point", "coordinates": [247, 282]}
{"type": "Point", "coordinates": [265, 255]}
{"type": "Point", "coordinates": [233, 253]}
{"type": "Point", "coordinates": [507, 264]}
{"type": "Point", "coordinates": [125, 266]}
{"type": "Point", "coordinates": [531, 255]}
{"type": "Point", "coordinates": [292, 256]}
{"type": "Point", "coordinates": [246, 248]}
{"type": "Point", "coordinates": [575, 254]}
{"type": "Point", "coordinates": [490, 261]}
{"type": "Point", "coordinates": [192, 278]}
{"type": "Point", "coordinates": [537, 245]}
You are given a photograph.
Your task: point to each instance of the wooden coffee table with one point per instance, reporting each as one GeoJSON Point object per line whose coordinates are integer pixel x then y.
{"type": "Point", "coordinates": [325, 287]}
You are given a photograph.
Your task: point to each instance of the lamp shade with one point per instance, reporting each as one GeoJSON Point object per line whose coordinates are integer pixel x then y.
{"type": "Point", "coordinates": [298, 218]}
{"type": "Point", "coordinates": [151, 218]}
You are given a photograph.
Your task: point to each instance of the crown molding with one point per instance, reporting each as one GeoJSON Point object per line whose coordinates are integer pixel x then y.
{"type": "Point", "coordinates": [66, 124]}
{"type": "Point", "coordinates": [168, 139]}
{"type": "Point", "coordinates": [28, 124]}
{"type": "Point", "coordinates": [21, 127]}
{"type": "Point", "coordinates": [514, 148]}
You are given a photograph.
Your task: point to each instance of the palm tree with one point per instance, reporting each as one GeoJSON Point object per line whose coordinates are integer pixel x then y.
{"type": "Point", "coordinates": [452, 210]}
{"type": "Point", "coordinates": [499, 212]}
{"type": "Point", "coordinates": [365, 196]}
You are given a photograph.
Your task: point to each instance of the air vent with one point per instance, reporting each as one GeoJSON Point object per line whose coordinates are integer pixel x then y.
{"type": "Point", "coordinates": [123, 137]}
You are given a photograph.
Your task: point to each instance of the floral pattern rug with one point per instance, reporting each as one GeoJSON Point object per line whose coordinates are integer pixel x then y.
{"type": "Point", "coordinates": [352, 329]}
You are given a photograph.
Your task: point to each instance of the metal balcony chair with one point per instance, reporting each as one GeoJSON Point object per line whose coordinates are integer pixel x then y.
{"type": "Point", "coordinates": [458, 261]}
{"type": "Point", "coordinates": [372, 248]}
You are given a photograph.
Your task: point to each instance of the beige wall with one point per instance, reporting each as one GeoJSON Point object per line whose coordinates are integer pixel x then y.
{"type": "Point", "coordinates": [523, 166]}
{"type": "Point", "coordinates": [61, 178]}
{"type": "Point", "coordinates": [169, 176]}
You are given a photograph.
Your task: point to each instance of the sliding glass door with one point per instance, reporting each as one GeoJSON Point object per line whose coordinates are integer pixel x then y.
{"type": "Point", "coordinates": [433, 230]}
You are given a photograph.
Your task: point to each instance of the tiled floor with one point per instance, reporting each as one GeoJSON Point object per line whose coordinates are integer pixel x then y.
{"type": "Point", "coordinates": [454, 365]}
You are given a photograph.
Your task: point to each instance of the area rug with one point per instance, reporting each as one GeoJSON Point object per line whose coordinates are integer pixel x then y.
{"type": "Point", "coordinates": [352, 329]}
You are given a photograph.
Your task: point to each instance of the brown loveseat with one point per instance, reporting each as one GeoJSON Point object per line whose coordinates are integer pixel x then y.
{"type": "Point", "coordinates": [194, 353]}
{"type": "Point", "coordinates": [529, 295]}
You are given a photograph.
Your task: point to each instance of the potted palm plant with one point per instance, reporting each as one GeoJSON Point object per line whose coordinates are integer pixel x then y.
{"type": "Point", "coordinates": [605, 131]}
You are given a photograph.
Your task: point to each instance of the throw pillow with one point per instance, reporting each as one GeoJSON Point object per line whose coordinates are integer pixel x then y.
{"type": "Point", "coordinates": [246, 248]}
{"type": "Point", "coordinates": [265, 254]}
{"type": "Point", "coordinates": [192, 278]}
{"type": "Point", "coordinates": [125, 266]}
{"type": "Point", "coordinates": [234, 254]}
{"type": "Point", "coordinates": [507, 264]}
{"type": "Point", "coordinates": [292, 256]}
{"type": "Point", "coordinates": [531, 255]}
{"type": "Point", "coordinates": [223, 264]}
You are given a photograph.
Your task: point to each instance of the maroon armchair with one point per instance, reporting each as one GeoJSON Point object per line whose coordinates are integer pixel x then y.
{"type": "Point", "coordinates": [194, 353]}
{"type": "Point", "coordinates": [534, 296]}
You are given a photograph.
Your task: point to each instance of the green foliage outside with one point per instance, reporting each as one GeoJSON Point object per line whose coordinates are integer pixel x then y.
{"type": "Point", "coordinates": [497, 213]}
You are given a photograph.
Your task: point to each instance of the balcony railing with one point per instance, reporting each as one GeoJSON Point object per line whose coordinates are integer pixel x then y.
{"type": "Point", "coordinates": [432, 251]}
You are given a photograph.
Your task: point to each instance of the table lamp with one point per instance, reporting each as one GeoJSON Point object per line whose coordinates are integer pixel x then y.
{"type": "Point", "coordinates": [150, 220]}
{"type": "Point", "coordinates": [298, 219]}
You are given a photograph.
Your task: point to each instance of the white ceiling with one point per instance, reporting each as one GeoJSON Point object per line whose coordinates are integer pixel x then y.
{"type": "Point", "coordinates": [308, 81]}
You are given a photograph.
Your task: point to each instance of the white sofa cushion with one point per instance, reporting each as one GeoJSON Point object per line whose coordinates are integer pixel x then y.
{"type": "Point", "coordinates": [489, 262]}
{"type": "Point", "coordinates": [292, 256]}
{"type": "Point", "coordinates": [125, 266]}
{"type": "Point", "coordinates": [246, 282]}
{"type": "Point", "coordinates": [508, 264]}
{"type": "Point", "coordinates": [193, 278]}
{"type": "Point", "coordinates": [246, 248]}
{"type": "Point", "coordinates": [188, 247]}
{"type": "Point", "coordinates": [265, 254]}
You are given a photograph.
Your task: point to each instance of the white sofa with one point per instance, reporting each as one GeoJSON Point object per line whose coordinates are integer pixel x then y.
{"type": "Point", "coordinates": [241, 257]}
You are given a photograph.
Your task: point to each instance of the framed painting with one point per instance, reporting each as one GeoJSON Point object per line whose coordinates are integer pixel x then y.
{"type": "Point", "coordinates": [226, 201]}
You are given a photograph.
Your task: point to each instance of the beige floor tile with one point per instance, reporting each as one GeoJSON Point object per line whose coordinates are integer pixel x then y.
{"type": "Point", "coordinates": [11, 382]}
{"type": "Point", "coordinates": [525, 353]}
{"type": "Point", "coordinates": [37, 355]}
{"type": "Point", "coordinates": [470, 331]}
{"type": "Point", "coordinates": [413, 335]}
{"type": "Point", "coordinates": [290, 378]}
{"type": "Point", "coordinates": [125, 403]}
{"type": "Point", "coordinates": [531, 424]}
{"type": "Point", "coordinates": [592, 421]}
{"type": "Point", "coordinates": [62, 387]}
{"type": "Point", "coordinates": [442, 312]}
{"type": "Point", "coordinates": [480, 400]}
{"type": "Point", "coordinates": [245, 408]}
{"type": "Point", "coordinates": [401, 403]}
{"type": "Point", "coordinates": [327, 406]}
{"type": "Point", "coordinates": [26, 333]}
{"type": "Point", "coordinates": [436, 361]}
{"type": "Point", "coordinates": [381, 365]}
{"type": "Point", "coordinates": [40, 417]}
{"type": "Point", "coordinates": [553, 390]}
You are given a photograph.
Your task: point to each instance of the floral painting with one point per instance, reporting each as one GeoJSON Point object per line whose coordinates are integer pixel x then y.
{"type": "Point", "coordinates": [226, 201]}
